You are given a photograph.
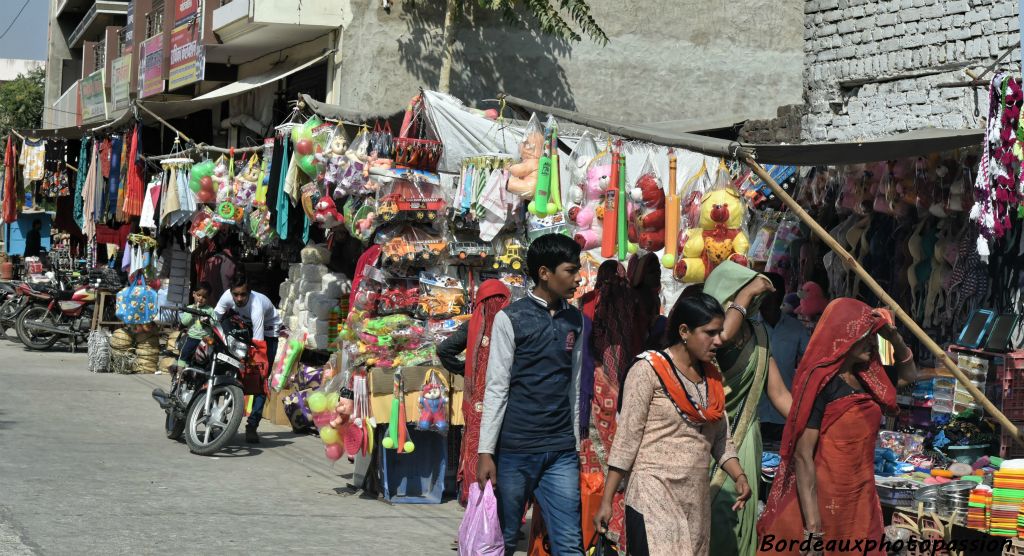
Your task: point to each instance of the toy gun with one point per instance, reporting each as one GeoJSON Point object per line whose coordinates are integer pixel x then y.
{"type": "Point", "coordinates": [622, 228]}
{"type": "Point", "coordinates": [611, 212]}
{"type": "Point", "coordinates": [668, 260]}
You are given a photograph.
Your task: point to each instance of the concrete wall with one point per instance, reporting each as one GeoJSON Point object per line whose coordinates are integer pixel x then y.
{"type": "Point", "coordinates": [665, 60]}
{"type": "Point", "coordinates": [857, 39]}
{"type": "Point", "coordinates": [10, 68]}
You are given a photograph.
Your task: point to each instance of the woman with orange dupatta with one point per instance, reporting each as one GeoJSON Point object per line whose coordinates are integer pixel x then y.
{"type": "Point", "coordinates": [823, 499]}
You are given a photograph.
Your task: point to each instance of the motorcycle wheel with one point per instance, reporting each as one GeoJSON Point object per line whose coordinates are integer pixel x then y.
{"type": "Point", "coordinates": [207, 434]}
{"type": "Point", "coordinates": [34, 339]}
{"type": "Point", "coordinates": [9, 310]}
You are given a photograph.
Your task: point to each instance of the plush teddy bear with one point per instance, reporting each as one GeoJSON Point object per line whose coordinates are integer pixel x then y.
{"type": "Point", "coordinates": [587, 198]}
{"type": "Point", "coordinates": [326, 213]}
{"type": "Point", "coordinates": [523, 180]}
{"type": "Point", "coordinates": [719, 237]}
{"type": "Point", "coordinates": [647, 228]}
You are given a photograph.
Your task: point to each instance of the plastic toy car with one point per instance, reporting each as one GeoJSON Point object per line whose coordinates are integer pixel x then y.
{"type": "Point", "coordinates": [511, 258]}
{"type": "Point", "coordinates": [442, 304]}
{"type": "Point", "coordinates": [413, 245]}
{"type": "Point", "coordinates": [467, 250]}
{"type": "Point", "coordinates": [399, 300]}
{"type": "Point", "coordinates": [411, 195]}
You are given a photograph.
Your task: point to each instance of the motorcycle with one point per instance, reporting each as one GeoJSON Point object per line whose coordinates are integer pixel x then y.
{"type": "Point", "coordinates": [206, 403]}
{"type": "Point", "coordinates": [40, 326]}
{"type": "Point", "coordinates": [16, 297]}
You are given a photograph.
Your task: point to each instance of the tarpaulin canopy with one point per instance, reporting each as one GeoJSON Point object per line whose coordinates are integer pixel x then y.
{"type": "Point", "coordinates": [913, 143]}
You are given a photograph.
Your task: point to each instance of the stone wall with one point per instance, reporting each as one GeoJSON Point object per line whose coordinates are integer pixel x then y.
{"type": "Point", "coordinates": [680, 60]}
{"type": "Point", "coordinates": [849, 40]}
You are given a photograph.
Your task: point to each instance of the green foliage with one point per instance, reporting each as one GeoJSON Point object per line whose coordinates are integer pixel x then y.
{"type": "Point", "coordinates": [21, 102]}
{"type": "Point", "coordinates": [554, 19]}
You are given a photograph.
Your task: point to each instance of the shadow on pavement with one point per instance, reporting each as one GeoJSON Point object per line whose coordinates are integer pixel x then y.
{"type": "Point", "coordinates": [239, 449]}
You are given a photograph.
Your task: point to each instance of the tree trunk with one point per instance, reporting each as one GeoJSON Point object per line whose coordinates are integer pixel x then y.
{"type": "Point", "coordinates": [444, 81]}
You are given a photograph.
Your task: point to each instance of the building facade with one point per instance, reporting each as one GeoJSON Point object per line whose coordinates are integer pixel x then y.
{"type": "Point", "coordinates": [687, 60]}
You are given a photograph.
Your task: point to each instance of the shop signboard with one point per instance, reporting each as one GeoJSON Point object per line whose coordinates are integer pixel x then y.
{"type": "Point", "coordinates": [94, 97]}
{"type": "Point", "coordinates": [151, 66]}
{"type": "Point", "coordinates": [129, 28]}
{"type": "Point", "coordinates": [188, 61]}
{"type": "Point", "coordinates": [121, 81]}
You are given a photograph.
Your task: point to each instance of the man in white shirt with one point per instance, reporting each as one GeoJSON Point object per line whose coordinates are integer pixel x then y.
{"type": "Point", "coordinates": [257, 309]}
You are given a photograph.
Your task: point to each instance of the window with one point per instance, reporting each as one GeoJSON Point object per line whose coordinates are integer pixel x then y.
{"type": "Point", "coordinates": [155, 20]}
{"type": "Point", "coordinates": [99, 52]}
{"type": "Point", "coordinates": [122, 41]}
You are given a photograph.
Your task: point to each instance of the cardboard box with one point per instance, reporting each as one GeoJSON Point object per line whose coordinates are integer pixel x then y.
{"type": "Point", "coordinates": [273, 411]}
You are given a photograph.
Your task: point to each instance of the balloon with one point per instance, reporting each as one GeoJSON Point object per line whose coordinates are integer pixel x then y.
{"type": "Point", "coordinates": [322, 419]}
{"type": "Point", "coordinates": [329, 435]}
{"type": "Point", "coordinates": [333, 451]}
{"type": "Point", "coordinates": [206, 196]}
{"type": "Point", "coordinates": [308, 165]}
{"type": "Point", "coordinates": [304, 147]}
{"type": "Point", "coordinates": [205, 182]}
{"type": "Point", "coordinates": [332, 400]}
{"type": "Point", "coordinates": [316, 402]}
{"type": "Point", "coordinates": [408, 447]}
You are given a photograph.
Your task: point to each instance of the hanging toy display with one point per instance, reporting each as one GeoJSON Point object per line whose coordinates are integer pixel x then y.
{"type": "Point", "coordinates": [668, 259]}
{"type": "Point", "coordinates": [285, 362]}
{"type": "Point", "coordinates": [245, 185]}
{"type": "Point", "coordinates": [359, 437]}
{"type": "Point", "coordinates": [309, 141]}
{"type": "Point", "coordinates": [621, 226]}
{"type": "Point", "coordinates": [647, 227]}
{"type": "Point", "coordinates": [434, 403]}
{"type": "Point", "coordinates": [719, 236]}
{"type": "Point", "coordinates": [547, 193]}
{"type": "Point", "coordinates": [523, 178]}
{"type": "Point", "coordinates": [610, 223]}
{"type": "Point", "coordinates": [222, 181]}
{"type": "Point", "coordinates": [398, 431]}
{"type": "Point", "coordinates": [201, 181]}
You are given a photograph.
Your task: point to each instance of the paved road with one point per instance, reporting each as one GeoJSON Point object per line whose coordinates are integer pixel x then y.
{"type": "Point", "coordinates": [85, 469]}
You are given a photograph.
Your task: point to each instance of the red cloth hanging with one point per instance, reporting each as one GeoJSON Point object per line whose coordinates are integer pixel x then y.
{"type": "Point", "coordinates": [10, 207]}
{"type": "Point", "coordinates": [135, 186]}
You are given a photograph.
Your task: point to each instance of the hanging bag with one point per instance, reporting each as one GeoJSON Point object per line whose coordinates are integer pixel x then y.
{"type": "Point", "coordinates": [381, 140]}
{"type": "Point", "coordinates": [137, 303]}
{"type": "Point", "coordinates": [479, 532]}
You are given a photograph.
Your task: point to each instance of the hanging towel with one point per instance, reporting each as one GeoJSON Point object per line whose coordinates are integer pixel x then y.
{"type": "Point", "coordinates": [147, 216]}
{"type": "Point", "coordinates": [84, 166]}
{"type": "Point", "coordinates": [494, 205]}
{"type": "Point", "coordinates": [282, 195]}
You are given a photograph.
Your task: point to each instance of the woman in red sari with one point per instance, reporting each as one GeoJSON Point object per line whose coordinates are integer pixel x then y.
{"type": "Point", "coordinates": [823, 499]}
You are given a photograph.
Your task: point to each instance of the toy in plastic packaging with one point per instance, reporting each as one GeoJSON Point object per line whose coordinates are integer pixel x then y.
{"type": "Point", "coordinates": [512, 256]}
{"type": "Point", "coordinates": [353, 178]}
{"type": "Point", "coordinates": [310, 196]}
{"type": "Point", "coordinates": [434, 403]}
{"type": "Point", "coordinates": [359, 437]}
{"type": "Point", "coordinates": [411, 246]}
{"type": "Point", "coordinates": [547, 196]}
{"type": "Point", "coordinates": [204, 225]}
{"type": "Point", "coordinates": [397, 437]}
{"type": "Point", "coordinates": [222, 180]}
{"type": "Point", "coordinates": [369, 289]}
{"type": "Point", "coordinates": [523, 180]}
{"type": "Point", "coordinates": [588, 274]}
{"type": "Point", "coordinates": [720, 235]}
{"type": "Point", "coordinates": [399, 299]}
{"type": "Point", "coordinates": [246, 183]}
{"type": "Point", "coordinates": [440, 296]}
{"type": "Point", "coordinates": [309, 139]}
{"type": "Point", "coordinates": [408, 195]}
{"type": "Point", "coordinates": [760, 247]}
{"type": "Point", "coordinates": [360, 216]}
{"type": "Point", "coordinates": [285, 362]}
{"type": "Point", "coordinates": [334, 160]}
{"type": "Point", "coordinates": [647, 226]}
{"type": "Point", "coordinates": [586, 200]}
{"type": "Point", "coordinates": [779, 259]}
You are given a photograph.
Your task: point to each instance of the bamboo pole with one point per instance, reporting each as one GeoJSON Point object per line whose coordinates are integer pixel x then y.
{"type": "Point", "coordinates": [902, 315]}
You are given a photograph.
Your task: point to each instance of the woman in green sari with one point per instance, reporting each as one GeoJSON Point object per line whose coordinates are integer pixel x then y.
{"type": "Point", "coordinates": [748, 370]}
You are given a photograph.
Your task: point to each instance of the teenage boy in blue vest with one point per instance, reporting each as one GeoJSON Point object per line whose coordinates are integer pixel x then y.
{"type": "Point", "coordinates": [529, 428]}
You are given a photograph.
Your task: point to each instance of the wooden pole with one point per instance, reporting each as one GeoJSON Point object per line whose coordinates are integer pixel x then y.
{"type": "Point", "coordinates": [902, 315]}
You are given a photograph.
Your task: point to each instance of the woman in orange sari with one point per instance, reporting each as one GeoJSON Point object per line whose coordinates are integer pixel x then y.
{"type": "Point", "coordinates": [823, 499]}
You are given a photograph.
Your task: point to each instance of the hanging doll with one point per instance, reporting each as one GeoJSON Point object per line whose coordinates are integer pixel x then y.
{"type": "Point", "coordinates": [245, 183]}
{"type": "Point", "coordinates": [588, 200]}
{"type": "Point", "coordinates": [336, 162]}
{"type": "Point", "coordinates": [523, 180]}
{"type": "Point", "coordinates": [221, 183]}
{"type": "Point", "coordinates": [433, 406]}
{"type": "Point", "coordinates": [647, 227]}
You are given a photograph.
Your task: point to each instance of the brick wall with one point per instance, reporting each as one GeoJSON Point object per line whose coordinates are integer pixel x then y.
{"type": "Point", "coordinates": [849, 40]}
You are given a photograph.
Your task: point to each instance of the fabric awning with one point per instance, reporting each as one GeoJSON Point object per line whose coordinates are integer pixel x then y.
{"type": "Point", "coordinates": [913, 143]}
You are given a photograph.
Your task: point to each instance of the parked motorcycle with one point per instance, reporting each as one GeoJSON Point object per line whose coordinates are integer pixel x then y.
{"type": "Point", "coordinates": [206, 403]}
{"type": "Point", "coordinates": [40, 326]}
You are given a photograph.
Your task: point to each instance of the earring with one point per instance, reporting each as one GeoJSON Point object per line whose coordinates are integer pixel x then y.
{"type": "Point", "coordinates": [684, 341]}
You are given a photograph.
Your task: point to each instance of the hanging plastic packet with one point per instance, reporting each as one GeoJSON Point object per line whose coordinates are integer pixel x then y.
{"type": "Point", "coordinates": [246, 183]}
{"type": "Point", "coordinates": [647, 225]}
{"type": "Point", "coordinates": [720, 234]}
{"type": "Point", "coordinates": [221, 181]}
{"type": "Point", "coordinates": [434, 403]}
{"type": "Point", "coordinates": [306, 139]}
{"type": "Point", "coordinates": [310, 196]}
{"type": "Point", "coordinates": [760, 247]}
{"type": "Point", "coordinates": [586, 199]}
{"type": "Point", "coordinates": [440, 297]}
{"type": "Point", "coordinates": [353, 177]}
{"type": "Point", "coordinates": [360, 214]}
{"type": "Point", "coordinates": [523, 179]}
{"type": "Point", "coordinates": [588, 274]}
{"type": "Point", "coordinates": [204, 226]}
{"type": "Point", "coordinates": [334, 161]}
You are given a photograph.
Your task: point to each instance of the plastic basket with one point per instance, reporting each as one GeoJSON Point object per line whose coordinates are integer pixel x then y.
{"type": "Point", "coordinates": [1008, 449]}
{"type": "Point", "coordinates": [1010, 370]}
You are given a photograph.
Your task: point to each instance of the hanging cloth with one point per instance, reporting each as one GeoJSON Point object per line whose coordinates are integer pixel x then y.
{"type": "Point", "coordinates": [282, 196]}
{"type": "Point", "coordinates": [114, 182]}
{"type": "Point", "coordinates": [169, 191]}
{"type": "Point", "coordinates": [135, 187]}
{"type": "Point", "coordinates": [89, 194]}
{"type": "Point", "coordinates": [274, 179]}
{"type": "Point", "coordinates": [83, 171]}
{"type": "Point", "coordinates": [10, 206]}
{"type": "Point", "coordinates": [147, 216]}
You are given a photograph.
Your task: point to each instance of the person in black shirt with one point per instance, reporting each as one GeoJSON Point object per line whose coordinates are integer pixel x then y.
{"type": "Point", "coordinates": [34, 239]}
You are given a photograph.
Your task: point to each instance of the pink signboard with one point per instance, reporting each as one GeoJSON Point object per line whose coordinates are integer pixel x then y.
{"type": "Point", "coordinates": [151, 66]}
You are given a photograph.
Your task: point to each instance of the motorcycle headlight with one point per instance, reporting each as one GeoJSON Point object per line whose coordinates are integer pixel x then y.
{"type": "Point", "coordinates": [238, 348]}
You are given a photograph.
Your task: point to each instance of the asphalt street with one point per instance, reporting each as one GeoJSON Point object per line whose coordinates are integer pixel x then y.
{"type": "Point", "coordinates": [85, 469]}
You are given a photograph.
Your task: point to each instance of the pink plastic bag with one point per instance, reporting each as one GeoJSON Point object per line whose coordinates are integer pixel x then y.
{"type": "Point", "coordinates": [479, 532]}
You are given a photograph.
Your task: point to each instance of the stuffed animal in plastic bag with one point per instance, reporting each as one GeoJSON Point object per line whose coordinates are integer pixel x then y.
{"type": "Point", "coordinates": [647, 228]}
{"type": "Point", "coordinates": [326, 213]}
{"type": "Point", "coordinates": [523, 180]}
{"type": "Point", "coordinates": [719, 238]}
{"type": "Point", "coordinates": [433, 408]}
{"type": "Point", "coordinates": [587, 198]}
